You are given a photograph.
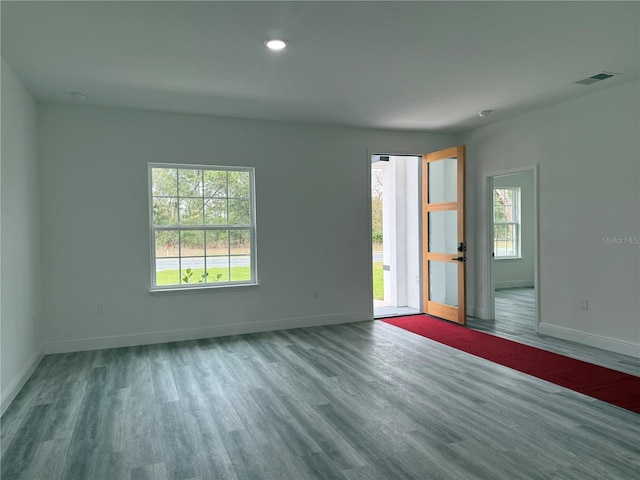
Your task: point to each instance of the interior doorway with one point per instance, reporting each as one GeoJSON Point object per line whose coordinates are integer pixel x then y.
{"type": "Point", "coordinates": [395, 213]}
{"type": "Point", "coordinates": [512, 250]}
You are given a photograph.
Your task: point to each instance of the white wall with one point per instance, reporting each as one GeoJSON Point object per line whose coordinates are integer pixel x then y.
{"type": "Point", "coordinates": [518, 272]}
{"type": "Point", "coordinates": [588, 152]}
{"type": "Point", "coordinates": [20, 291]}
{"type": "Point", "coordinates": [313, 223]}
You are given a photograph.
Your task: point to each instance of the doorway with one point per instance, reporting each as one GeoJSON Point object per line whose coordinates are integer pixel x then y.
{"type": "Point", "coordinates": [395, 214]}
{"type": "Point", "coordinates": [512, 251]}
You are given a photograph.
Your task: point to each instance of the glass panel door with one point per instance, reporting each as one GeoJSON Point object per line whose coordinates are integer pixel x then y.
{"type": "Point", "coordinates": [444, 245]}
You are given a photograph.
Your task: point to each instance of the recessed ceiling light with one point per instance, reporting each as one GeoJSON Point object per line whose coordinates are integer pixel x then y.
{"type": "Point", "coordinates": [276, 44]}
{"type": "Point", "coordinates": [77, 95]}
{"type": "Point", "coordinates": [485, 113]}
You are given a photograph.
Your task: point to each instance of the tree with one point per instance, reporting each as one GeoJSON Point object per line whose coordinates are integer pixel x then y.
{"type": "Point", "coordinates": [376, 204]}
{"type": "Point", "coordinates": [188, 196]}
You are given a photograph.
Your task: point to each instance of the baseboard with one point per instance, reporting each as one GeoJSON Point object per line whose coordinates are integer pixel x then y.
{"type": "Point", "coordinates": [16, 385]}
{"type": "Point", "coordinates": [605, 343]}
{"type": "Point", "coordinates": [514, 284]}
{"type": "Point", "coordinates": [209, 332]}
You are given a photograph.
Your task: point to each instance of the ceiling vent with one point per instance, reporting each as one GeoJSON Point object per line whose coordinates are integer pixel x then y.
{"type": "Point", "coordinates": [596, 78]}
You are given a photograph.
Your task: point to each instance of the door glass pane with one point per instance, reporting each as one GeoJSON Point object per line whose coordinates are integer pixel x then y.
{"type": "Point", "coordinates": [443, 180]}
{"type": "Point", "coordinates": [443, 282]}
{"type": "Point", "coordinates": [443, 231]}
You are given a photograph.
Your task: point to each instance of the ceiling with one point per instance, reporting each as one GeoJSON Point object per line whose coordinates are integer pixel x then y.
{"type": "Point", "coordinates": [398, 65]}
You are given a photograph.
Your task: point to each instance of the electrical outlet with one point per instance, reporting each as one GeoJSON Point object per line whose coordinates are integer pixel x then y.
{"type": "Point", "coordinates": [100, 309]}
{"type": "Point", "coordinates": [584, 304]}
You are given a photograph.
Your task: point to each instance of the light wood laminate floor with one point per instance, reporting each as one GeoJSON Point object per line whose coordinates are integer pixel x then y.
{"type": "Point", "coordinates": [364, 401]}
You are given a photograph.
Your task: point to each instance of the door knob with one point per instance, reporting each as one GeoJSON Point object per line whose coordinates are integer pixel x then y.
{"type": "Point", "coordinates": [460, 259]}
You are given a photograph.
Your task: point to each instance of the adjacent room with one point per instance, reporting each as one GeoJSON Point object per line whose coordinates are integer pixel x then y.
{"type": "Point", "coordinates": [193, 262]}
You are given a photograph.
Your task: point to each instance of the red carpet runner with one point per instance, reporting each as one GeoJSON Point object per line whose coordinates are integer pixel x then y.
{"type": "Point", "coordinates": [608, 385]}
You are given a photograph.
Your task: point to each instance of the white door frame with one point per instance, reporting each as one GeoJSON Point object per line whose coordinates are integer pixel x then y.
{"type": "Point", "coordinates": [396, 153]}
{"type": "Point", "coordinates": [489, 300]}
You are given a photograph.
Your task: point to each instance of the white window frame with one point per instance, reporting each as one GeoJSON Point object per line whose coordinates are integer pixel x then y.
{"type": "Point", "coordinates": [515, 223]}
{"type": "Point", "coordinates": [251, 227]}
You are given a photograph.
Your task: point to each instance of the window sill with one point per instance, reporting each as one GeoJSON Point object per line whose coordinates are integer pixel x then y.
{"type": "Point", "coordinates": [201, 289]}
{"type": "Point", "coordinates": [507, 258]}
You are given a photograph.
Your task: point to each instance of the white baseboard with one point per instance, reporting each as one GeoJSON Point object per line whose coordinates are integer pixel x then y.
{"type": "Point", "coordinates": [514, 284]}
{"type": "Point", "coordinates": [197, 333]}
{"type": "Point", "coordinates": [16, 385]}
{"type": "Point", "coordinates": [605, 343]}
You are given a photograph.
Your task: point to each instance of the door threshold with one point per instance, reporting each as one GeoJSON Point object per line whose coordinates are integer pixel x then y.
{"type": "Point", "coordinates": [385, 312]}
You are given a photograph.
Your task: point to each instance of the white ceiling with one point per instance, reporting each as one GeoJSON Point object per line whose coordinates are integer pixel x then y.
{"type": "Point", "coordinates": [400, 65]}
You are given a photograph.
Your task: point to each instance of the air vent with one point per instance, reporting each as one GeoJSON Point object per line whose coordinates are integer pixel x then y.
{"type": "Point", "coordinates": [596, 78]}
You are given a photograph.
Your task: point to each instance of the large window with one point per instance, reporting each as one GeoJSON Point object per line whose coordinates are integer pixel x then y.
{"type": "Point", "coordinates": [506, 222]}
{"type": "Point", "coordinates": [202, 226]}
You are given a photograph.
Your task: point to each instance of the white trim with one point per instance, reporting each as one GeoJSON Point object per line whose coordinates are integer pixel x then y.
{"type": "Point", "coordinates": [487, 259]}
{"type": "Point", "coordinates": [251, 227]}
{"type": "Point", "coordinates": [16, 385]}
{"type": "Point", "coordinates": [605, 343]}
{"type": "Point", "coordinates": [198, 333]}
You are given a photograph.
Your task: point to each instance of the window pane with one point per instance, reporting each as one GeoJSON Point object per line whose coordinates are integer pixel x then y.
{"type": "Point", "coordinates": [192, 270]}
{"type": "Point", "coordinates": [504, 240]}
{"type": "Point", "coordinates": [191, 211]}
{"type": "Point", "coordinates": [192, 243]}
{"type": "Point", "coordinates": [167, 244]}
{"type": "Point", "coordinates": [503, 203]}
{"type": "Point", "coordinates": [217, 269]}
{"type": "Point", "coordinates": [210, 212]}
{"type": "Point", "coordinates": [240, 242]}
{"type": "Point", "coordinates": [238, 184]}
{"type": "Point", "coordinates": [443, 180]}
{"type": "Point", "coordinates": [217, 242]}
{"type": "Point", "coordinates": [240, 269]}
{"type": "Point", "coordinates": [215, 183]}
{"type": "Point", "coordinates": [190, 183]}
{"type": "Point", "coordinates": [167, 261]}
{"type": "Point", "coordinates": [239, 212]}
{"type": "Point", "coordinates": [215, 212]}
{"type": "Point", "coordinates": [167, 275]}
{"type": "Point", "coordinates": [165, 211]}
{"type": "Point", "coordinates": [164, 182]}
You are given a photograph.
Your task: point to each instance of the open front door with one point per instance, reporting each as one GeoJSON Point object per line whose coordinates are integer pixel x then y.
{"type": "Point", "coordinates": [443, 237]}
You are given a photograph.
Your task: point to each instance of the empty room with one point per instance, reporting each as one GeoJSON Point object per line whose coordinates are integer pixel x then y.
{"type": "Point", "coordinates": [190, 253]}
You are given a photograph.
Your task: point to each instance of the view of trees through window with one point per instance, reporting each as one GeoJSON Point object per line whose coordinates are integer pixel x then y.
{"type": "Point", "coordinates": [202, 225]}
{"type": "Point", "coordinates": [376, 229]}
{"type": "Point", "coordinates": [505, 222]}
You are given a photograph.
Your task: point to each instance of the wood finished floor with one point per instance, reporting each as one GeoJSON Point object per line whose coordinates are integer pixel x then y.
{"type": "Point", "coordinates": [364, 401]}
